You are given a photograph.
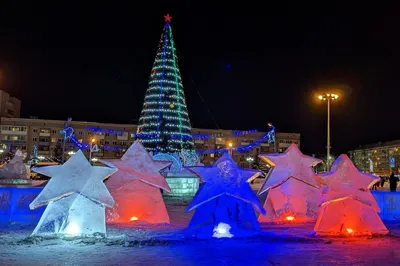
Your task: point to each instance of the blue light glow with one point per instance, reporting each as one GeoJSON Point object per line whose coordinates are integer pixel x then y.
{"type": "Point", "coordinates": [14, 205]}
{"type": "Point", "coordinates": [174, 158]}
{"type": "Point", "coordinates": [269, 136]}
{"type": "Point", "coordinates": [104, 130]}
{"type": "Point", "coordinates": [69, 134]}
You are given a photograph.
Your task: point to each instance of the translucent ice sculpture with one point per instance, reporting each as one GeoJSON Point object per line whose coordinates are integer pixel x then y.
{"type": "Point", "coordinates": [136, 188]}
{"type": "Point", "coordinates": [224, 200]}
{"type": "Point", "coordinates": [292, 201]}
{"type": "Point", "coordinates": [292, 186]}
{"type": "Point", "coordinates": [75, 196]}
{"type": "Point", "coordinates": [290, 163]}
{"type": "Point", "coordinates": [348, 207]}
{"type": "Point", "coordinates": [349, 217]}
{"type": "Point", "coordinates": [15, 168]}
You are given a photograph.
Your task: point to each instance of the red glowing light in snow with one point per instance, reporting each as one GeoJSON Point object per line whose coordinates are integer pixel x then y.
{"type": "Point", "coordinates": [350, 231]}
{"type": "Point", "coordinates": [290, 218]}
{"type": "Point", "coordinates": [134, 218]}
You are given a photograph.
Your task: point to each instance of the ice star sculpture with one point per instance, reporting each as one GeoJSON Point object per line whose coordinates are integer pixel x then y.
{"type": "Point", "coordinates": [292, 201]}
{"type": "Point", "coordinates": [348, 206]}
{"type": "Point", "coordinates": [76, 197]}
{"type": "Point", "coordinates": [290, 163]}
{"type": "Point", "coordinates": [136, 187]}
{"type": "Point", "coordinates": [15, 168]}
{"type": "Point", "coordinates": [225, 197]}
{"type": "Point", "coordinates": [345, 180]}
{"type": "Point", "coordinates": [292, 186]}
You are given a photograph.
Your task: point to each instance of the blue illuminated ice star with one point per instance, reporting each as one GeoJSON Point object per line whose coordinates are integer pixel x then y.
{"type": "Point", "coordinates": [224, 177]}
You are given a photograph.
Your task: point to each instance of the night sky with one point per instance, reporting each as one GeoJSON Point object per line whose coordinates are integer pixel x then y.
{"type": "Point", "coordinates": [251, 64]}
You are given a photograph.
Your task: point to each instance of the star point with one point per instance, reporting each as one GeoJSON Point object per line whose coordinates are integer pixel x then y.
{"type": "Point", "coordinates": [290, 163]}
{"type": "Point", "coordinates": [76, 175]}
{"type": "Point", "coordinates": [343, 170]}
{"type": "Point", "coordinates": [137, 164]}
{"type": "Point", "coordinates": [344, 180]}
{"type": "Point", "coordinates": [167, 18]}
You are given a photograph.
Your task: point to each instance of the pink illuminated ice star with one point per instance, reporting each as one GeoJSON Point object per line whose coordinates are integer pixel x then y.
{"type": "Point", "coordinates": [344, 180]}
{"type": "Point", "coordinates": [290, 163]}
{"type": "Point", "coordinates": [344, 171]}
{"type": "Point", "coordinates": [137, 164]}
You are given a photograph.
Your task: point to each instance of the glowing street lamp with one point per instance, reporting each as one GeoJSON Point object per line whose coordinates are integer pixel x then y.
{"type": "Point", "coordinates": [92, 148]}
{"type": "Point", "coordinates": [328, 97]}
{"type": "Point", "coordinates": [230, 148]}
{"type": "Point", "coordinates": [250, 160]}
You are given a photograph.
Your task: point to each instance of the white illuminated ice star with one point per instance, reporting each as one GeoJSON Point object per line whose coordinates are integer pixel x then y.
{"type": "Point", "coordinates": [77, 175]}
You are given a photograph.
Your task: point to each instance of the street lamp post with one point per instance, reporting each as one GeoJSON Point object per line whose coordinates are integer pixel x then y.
{"type": "Point", "coordinates": [250, 160]}
{"type": "Point", "coordinates": [230, 148]}
{"type": "Point", "coordinates": [328, 97]}
{"type": "Point", "coordinates": [91, 149]}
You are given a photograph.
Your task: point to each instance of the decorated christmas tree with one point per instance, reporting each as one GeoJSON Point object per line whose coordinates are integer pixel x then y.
{"type": "Point", "coordinates": [164, 125]}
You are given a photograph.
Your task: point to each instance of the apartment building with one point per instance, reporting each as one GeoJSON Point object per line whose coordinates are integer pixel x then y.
{"type": "Point", "coordinates": [24, 133]}
{"type": "Point", "coordinates": [217, 139]}
{"type": "Point", "coordinates": [9, 106]}
{"type": "Point", "coordinates": [380, 158]}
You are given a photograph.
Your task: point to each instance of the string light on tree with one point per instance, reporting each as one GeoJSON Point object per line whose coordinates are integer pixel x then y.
{"type": "Point", "coordinates": [164, 116]}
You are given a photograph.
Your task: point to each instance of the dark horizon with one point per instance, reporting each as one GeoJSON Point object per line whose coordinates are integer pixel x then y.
{"type": "Point", "coordinates": [93, 63]}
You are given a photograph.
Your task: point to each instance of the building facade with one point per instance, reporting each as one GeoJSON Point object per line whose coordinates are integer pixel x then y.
{"type": "Point", "coordinates": [381, 158]}
{"type": "Point", "coordinates": [9, 106]}
{"type": "Point", "coordinates": [24, 133]}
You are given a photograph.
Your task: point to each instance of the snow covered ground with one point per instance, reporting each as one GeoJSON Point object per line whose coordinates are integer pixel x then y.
{"type": "Point", "coordinates": [166, 245]}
